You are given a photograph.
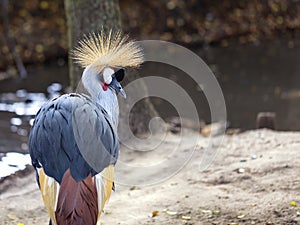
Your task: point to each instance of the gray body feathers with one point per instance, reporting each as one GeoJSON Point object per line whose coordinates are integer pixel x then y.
{"type": "Point", "coordinates": [74, 132]}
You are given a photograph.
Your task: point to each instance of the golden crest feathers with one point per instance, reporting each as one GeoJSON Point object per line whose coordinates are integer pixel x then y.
{"type": "Point", "coordinates": [112, 49]}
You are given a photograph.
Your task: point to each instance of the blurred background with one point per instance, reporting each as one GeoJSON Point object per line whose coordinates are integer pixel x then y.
{"type": "Point", "coordinates": [252, 47]}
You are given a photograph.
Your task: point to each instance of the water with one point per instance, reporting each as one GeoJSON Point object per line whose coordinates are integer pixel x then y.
{"type": "Point", "coordinates": [253, 77]}
{"type": "Point", "coordinates": [20, 100]}
{"type": "Point", "coordinates": [259, 77]}
{"type": "Point", "coordinates": [11, 162]}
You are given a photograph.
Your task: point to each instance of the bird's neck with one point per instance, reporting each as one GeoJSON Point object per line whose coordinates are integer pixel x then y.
{"type": "Point", "coordinates": [90, 82]}
{"type": "Point", "coordinates": [106, 99]}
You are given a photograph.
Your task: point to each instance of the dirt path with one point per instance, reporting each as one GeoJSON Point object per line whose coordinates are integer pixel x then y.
{"type": "Point", "coordinates": [234, 189]}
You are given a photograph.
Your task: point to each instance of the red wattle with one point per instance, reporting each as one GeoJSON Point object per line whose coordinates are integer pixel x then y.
{"type": "Point", "coordinates": [104, 86]}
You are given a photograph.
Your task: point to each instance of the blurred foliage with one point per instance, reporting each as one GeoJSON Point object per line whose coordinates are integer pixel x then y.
{"type": "Point", "coordinates": [39, 26]}
{"type": "Point", "coordinates": [206, 21]}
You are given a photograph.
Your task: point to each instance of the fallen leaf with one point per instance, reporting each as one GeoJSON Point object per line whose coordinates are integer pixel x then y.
{"type": "Point", "coordinates": [206, 211]}
{"type": "Point", "coordinates": [171, 213]}
{"type": "Point", "coordinates": [241, 216]}
{"type": "Point", "coordinates": [216, 212]}
{"type": "Point", "coordinates": [186, 217]}
{"type": "Point", "coordinates": [107, 212]}
{"type": "Point", "coordinates": [12, 217]}
{"type": "Point", "coordinates": [154, 213]}
{"type": "Point", "coordinates": [293, 203]}
{"type": "Point", "coordinates": [132, 188]}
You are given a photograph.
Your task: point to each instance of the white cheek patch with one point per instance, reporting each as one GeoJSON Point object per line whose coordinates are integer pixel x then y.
{"type": "Point", "coordinates": [107, 75]}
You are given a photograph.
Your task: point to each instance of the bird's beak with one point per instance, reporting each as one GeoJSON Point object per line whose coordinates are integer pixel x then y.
{"type": "Point", "coordinates": [117, 86]}
{"type": "Point", "coordinates": [122, 92]}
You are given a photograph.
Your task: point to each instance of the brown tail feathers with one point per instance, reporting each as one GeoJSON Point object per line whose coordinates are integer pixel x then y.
{"type": "Point", "coordinates": [77, 202]}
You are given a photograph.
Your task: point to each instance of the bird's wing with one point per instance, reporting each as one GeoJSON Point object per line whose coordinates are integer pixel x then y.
{"type": "Point", "coordinates": [104, 184]}
{"type": "Point", "coordinates": [49, 189]}
{"type": "Point", "coordinates": [71, 132]}
{"type": "Point", "coordinates": [95, 135]}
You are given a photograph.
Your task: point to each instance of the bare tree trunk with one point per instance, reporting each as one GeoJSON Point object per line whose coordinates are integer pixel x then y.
{"type": "Point", "coordinates": [10, 40]}
{"type": "Point", "coordinates": [85, 16]}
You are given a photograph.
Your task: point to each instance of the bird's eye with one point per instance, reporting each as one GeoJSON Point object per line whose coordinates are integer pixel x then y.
{"type": "Point", "coordinates": [107, 75]}
{"type": "Point", "coordinates": [120, 74]}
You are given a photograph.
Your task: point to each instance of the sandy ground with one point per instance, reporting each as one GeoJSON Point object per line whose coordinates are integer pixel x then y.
{"type": "Point", "coordinates": [235, 189]}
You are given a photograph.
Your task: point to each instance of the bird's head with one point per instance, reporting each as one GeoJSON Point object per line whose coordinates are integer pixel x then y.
{"type": "Point", "coordinates": [111, 78]}
{"type": "Point", "coordinates": [104, 57]}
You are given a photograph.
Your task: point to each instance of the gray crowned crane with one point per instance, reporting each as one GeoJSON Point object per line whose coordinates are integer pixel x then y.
{"type": "Point", "coordinates": [73, 142]}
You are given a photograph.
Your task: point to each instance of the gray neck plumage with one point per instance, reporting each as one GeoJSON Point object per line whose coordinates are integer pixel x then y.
{"type": "Point", "coordinates": [106, 99]}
